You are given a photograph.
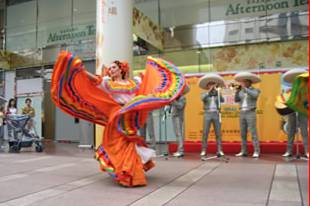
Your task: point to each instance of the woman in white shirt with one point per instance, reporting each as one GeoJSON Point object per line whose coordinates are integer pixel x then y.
{"type": "Point", "coordinates": [2, 115]}
{"type": "Point", "coordinates": [11, 110]}
{"type": "Point", "coordinates": [11, 107]}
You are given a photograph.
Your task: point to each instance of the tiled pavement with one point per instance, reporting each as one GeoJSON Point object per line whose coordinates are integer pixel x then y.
{"type": "Point", "coordinates": [66, 175]}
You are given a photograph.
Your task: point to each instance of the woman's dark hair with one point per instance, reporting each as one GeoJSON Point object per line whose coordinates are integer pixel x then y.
{"type": "Point", "coordinates": [118, 63]}
{"type": "Point", "coordinates": [28, 99]}
{"type": "Point", "coordinates": [124, 67]}
{"type": "Point", "coordinates": [10, 102]}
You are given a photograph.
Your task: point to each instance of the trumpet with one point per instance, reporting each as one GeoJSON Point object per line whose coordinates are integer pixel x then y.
{"type": "Point", "coordinates": [235, 86]}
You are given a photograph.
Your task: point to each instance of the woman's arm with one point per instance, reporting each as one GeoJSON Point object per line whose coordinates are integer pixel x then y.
{"type": "Point", "coordinates": [92, 77]}
{"type": "Point", "coordinates": [97, 79]}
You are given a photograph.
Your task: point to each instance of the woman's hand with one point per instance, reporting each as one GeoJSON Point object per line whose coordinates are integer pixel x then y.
{"type": "Point", "coordinates": [93, 78]}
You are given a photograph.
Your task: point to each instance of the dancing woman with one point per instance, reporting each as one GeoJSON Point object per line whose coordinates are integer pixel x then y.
{"type": "Point", "coordinates": [121, 105]}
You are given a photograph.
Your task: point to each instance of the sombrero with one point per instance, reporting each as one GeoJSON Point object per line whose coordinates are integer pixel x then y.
{"type": "Point", "coordinates": [247, 76]}
{"type": "Point", "coordinates": [203, 81]}
{"type": "Point", "coordinates": [290, 75]}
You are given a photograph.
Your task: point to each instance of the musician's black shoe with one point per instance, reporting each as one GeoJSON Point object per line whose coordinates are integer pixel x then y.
{"type": "Point", "coordinates": [220, 154]}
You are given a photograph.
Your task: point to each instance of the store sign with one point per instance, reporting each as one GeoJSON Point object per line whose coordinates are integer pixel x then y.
{"type": "Point", "coordinates": [257, 6]}
{"type": "Point", "coordinates": [71, 34]}
{"type": "Point", "coordinates": [235, 9]}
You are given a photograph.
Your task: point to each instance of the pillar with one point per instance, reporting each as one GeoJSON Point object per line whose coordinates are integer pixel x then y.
{"type": "Point", "coordinates": [113, 37]}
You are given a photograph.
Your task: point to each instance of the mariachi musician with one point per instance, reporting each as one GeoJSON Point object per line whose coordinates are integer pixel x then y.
{"type": "Point", "coordinates": [295, 120]}
{"type": "Point", "coordinates": [211, 104]}
{"type": "Point", "coordinates": [247, 97]}
{"type": "Point", "coordinates": [149, 126]}
{"type": "Point", "coordinates": [177, 109]}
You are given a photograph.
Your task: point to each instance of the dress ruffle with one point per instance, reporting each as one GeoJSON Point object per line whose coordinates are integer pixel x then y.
{"type": "Point", "coordinates": [76, 95]}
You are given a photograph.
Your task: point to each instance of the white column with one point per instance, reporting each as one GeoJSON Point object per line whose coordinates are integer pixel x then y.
{"type": "Point", "coordinates": [113, 38]}
{"type": "Point", "coordinates": [114, 32]}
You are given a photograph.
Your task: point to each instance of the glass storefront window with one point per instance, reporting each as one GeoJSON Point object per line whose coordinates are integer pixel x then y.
{"type": "Point", "coordinates": [2, 25]}
{"type": "Point", "coordinates": [183, 12]}
{"type": "Point", "coordinates": [284, 26]}
{"type": "Point", "coordinates": [149, 8]}
{"type": "Point", "coordinates": [21, 26]}
{"type": "Point", "coordinates": [53, 16]}
{"type": "Point", "coordinates": [40, 23]}
{"type": "Point", "coordinates": [192, 30]}
{"type": "Point", "coordinates": [84, 12]}
{"type": "Point", "coordinates": [13, 2]}
{"type": "Point", "coordinates": [249, 30]}
{"type": "Point", "coordinates": [234, 22]}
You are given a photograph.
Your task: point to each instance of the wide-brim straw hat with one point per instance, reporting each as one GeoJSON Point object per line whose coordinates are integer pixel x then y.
{"type": "Point", "coordinates": [247, 76]}
{"type": "Point", "coordinates": [290, 75]}
{"type": "Point", "coordinates": [203, 81]}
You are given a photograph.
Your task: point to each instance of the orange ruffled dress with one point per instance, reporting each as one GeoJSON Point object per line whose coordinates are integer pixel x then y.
{"type": "Point", "coordinates": [76, 95]}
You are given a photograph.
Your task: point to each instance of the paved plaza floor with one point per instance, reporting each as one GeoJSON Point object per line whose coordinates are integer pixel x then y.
{"type": "Point", "coordinates": [65, 175]}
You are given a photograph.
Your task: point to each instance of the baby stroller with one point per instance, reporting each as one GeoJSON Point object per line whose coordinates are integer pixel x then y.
{"type": "Point", "coordinates": [24, 134]}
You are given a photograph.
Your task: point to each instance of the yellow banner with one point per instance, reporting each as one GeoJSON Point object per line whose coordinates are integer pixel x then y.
{"type": "Point", "coordinates": [268, 120]}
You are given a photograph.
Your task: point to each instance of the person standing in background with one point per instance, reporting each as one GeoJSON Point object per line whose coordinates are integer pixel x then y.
{"type": "Point", "coordinates": [11, 110]}
{"type": "Point", "coordinates": [2, 116]}
{"type": "Point", "coordinates": [30, 111]}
